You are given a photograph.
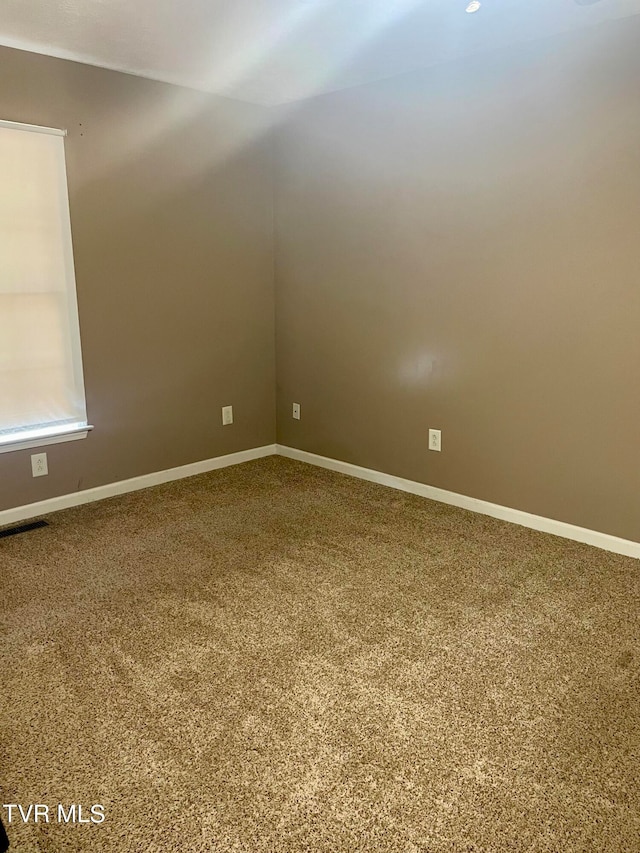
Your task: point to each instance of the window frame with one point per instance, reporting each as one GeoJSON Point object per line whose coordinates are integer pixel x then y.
{"type": "Point", "coordinates": [44, 435]}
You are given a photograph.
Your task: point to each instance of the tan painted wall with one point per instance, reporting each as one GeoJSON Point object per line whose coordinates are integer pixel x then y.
{"type": "Point", "coordinates": [171, 207]}
{"type": "Point", "coordinates": [460, 249]}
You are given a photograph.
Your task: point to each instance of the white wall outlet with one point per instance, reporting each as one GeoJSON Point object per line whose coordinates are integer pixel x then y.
{"type": "Point", "coordinates": [435, 439]}
{"type": "Point", "coordinates": [39, 467]}
{"type": "Point", "coordinates": [227, 415]}
{"type": "Point", "coordinates": [296, 411]}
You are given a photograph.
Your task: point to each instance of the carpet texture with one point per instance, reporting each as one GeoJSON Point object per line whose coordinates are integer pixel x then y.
{"type": "Point", "coordinates": [274, 657]}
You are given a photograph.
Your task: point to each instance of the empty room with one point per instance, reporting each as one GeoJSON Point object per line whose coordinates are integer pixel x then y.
{"type": "Point", "coordinates": [320, 426]}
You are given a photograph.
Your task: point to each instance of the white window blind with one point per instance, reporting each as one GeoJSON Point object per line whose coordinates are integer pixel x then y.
{"type": "Point", "coordinates": [41, 383]}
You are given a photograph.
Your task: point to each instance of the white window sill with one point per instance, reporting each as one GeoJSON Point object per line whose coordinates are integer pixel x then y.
{"type": "Point", "coordinates": [27, 440]}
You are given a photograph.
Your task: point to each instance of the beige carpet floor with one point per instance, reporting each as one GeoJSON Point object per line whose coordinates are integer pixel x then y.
{"type": "Point", "coordinates": [274, 658]}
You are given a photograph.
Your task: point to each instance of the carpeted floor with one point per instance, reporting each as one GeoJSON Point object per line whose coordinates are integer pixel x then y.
{"type": "Point", "coordinates": [274, 657]}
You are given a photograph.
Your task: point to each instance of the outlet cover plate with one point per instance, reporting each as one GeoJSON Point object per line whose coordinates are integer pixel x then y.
{"type": "Point", "coordinates": [39, 467]}
{"type": "Point", "coordinates": [435, 439]}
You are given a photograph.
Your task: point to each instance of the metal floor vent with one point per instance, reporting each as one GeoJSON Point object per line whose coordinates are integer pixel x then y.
{"type": "Point", "coordinates": [22, 528]}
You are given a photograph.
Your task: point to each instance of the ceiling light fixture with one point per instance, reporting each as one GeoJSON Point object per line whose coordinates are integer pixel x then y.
{"type": "Point", "coordinates": [473, 6]}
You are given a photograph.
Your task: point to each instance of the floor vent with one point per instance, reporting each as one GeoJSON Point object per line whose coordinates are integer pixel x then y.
{"type": "Point", "coordinates": [22, 528]}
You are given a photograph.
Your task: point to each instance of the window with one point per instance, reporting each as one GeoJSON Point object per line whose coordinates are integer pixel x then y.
{"type": "Point", "coordinates": [41, 384]}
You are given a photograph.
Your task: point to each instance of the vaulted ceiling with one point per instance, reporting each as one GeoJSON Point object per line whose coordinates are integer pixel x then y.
{"type": "Point", "coordinates": [276, 51]}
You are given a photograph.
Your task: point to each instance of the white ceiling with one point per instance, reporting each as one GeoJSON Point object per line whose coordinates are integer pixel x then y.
{"type": "Point", "coordinates": [275, 51]}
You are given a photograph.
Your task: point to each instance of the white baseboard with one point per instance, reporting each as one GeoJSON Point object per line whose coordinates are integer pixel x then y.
{"type": "Point", "coordinates": [516, 516]}
{"type": "Point", "coordinates": [20, 513]}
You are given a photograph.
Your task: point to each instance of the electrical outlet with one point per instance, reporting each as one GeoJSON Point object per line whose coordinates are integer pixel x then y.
{"type": "Point", "coordinates": [39, 467]}
{"type": "Point", "coordinates": [227, 415]}
{"type": "Point", "coordinates": [435, 439]}
{"type": "Point", "coordinates": [296, 411]}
